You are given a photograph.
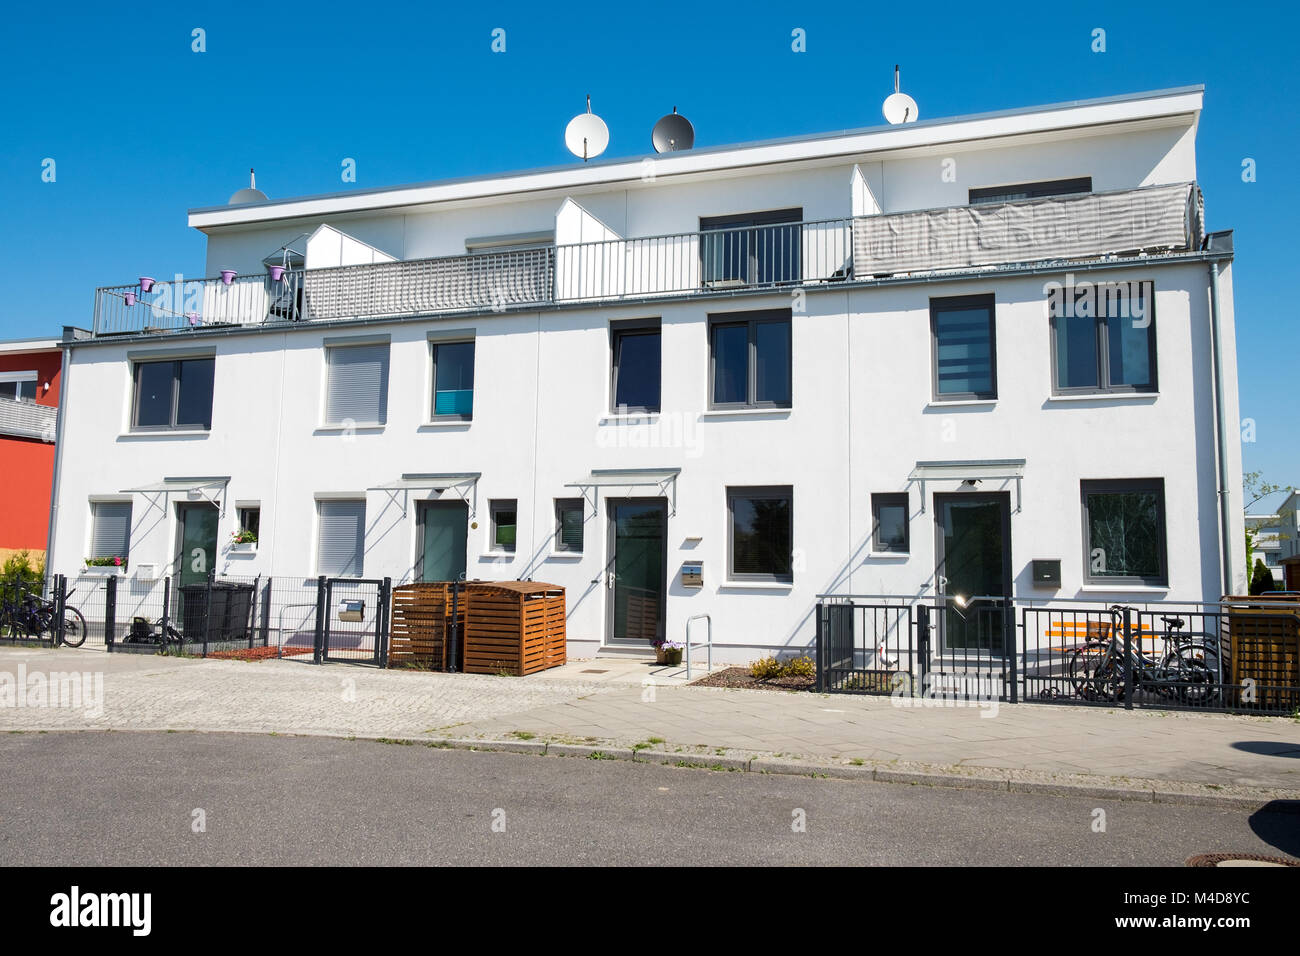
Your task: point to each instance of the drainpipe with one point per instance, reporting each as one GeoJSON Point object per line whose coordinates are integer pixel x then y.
{"type": "Point", "coordinates": [58, 460]}
{"type": "Point", "coordinates": [1225, 557]}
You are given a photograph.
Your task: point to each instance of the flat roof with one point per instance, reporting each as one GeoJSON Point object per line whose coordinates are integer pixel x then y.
{"type": "Point", "coordinates": [42, 344]}
{"type": "Point", "coordinates": [1074, 114]}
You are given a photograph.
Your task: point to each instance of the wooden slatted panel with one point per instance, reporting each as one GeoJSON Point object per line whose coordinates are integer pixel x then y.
{"type": "Point", "coordinates": [514, 627]}
{"type": "Point", "coordinates": [420, 624]}
{"type": "Point", "coordinates": [1266, 649]}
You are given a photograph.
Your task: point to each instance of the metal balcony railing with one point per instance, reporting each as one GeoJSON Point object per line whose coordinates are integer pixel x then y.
{"type": "Point", "coordinates": [27, 420]}
{"type": "Point", "coordinates": [1070, 228]}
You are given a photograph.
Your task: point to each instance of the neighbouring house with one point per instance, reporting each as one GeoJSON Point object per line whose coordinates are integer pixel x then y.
{"type": "Point", "coordinates": [984, 355]}
{"type": "Point", "coordinates": [30, 372]}
{"type": "Point", "coordinates": [1275, 520]}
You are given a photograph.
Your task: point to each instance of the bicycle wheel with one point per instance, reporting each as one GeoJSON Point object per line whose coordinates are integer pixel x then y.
{"type": "Point", "coordinates": [74, 627]}
{"type": "Point", "coordinates": [1198, 675]}
{"type": "Point", "coordinates": [1092, 669]}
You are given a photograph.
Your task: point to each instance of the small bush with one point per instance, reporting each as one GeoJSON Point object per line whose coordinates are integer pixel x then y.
{"type": "Point", "coordinates": [19, 571]}
{"type": "Point", "coordinates": [1261, 579]}
{"type": "Point", "coordinates": [800, 667]}
{"type": "Point", "coordinates": [765, 669]}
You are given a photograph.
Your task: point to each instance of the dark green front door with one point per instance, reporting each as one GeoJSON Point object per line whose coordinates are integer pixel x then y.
{"type": "Point", "coordinates": [638, 567]}
{"type": "Point", "coordinates": [443, 535]}
{"type": "Point", "coordinates": [197, 551]}
{"type": "Point", "coordinates": [974, 562]}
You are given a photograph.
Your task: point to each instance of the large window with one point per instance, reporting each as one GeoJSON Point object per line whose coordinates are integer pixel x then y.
{"type": "Point", "coordinates": [453, 380]}
{"type": "Point", "coordinates": [341, 541]}
{"type": "Point", "coordinates": [569, 525]}
{"type": "Point", "coordinates": [750, 356]}
{"type": "Point", "coordinates": [760, 534]}
{"type": "Point", "coordinates": [761, 247]}
{"type": "Point", "coordinates": [889, 523]}
{"type": "Point", "coordinates": [110, 535]}
{"type": "Point", "coordinates": [18, 386]}
{"type": "Point", "coordinates": [637, 366]}
{"type": "Point", "coordinates": [505, 524]}
{"type": "Point", "coordinates": [965, 351]}
{"type": "Point", "coordinates": [357, 387]}
{"type": "Point", "coordinates": [1104, 338]}
{"type": "Point", "coordinates": [1057, 187]}
{"type": "Point", "coordinates": [1124, 532]}
{"type": "Point", "coordinates": [176, 393]}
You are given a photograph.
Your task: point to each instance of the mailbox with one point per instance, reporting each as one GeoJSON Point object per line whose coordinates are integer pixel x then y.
{"type": "Point", "coordinates": [1047, 574]}
{"type": "Point", "coordinates": [350, 610]}
{"type": "Point", "coordinates": [693, 574]}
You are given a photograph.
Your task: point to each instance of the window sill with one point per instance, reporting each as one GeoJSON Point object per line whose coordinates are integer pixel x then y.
{"type": "Point", "coordinates": [631, 418]}
{"type": "Point", "coordinates": [453, 423]}
{"type": "Point", "coordinates": [369, 427]}
{"type": "Point", "coordinates": [1105, 397]}
{"type": "Point", "coordinates": [1126, 588]}
{"type": "Point", "coordinates": [888, 555]}
{"type": "Point", "coordinates": [756, 586]}
{"type": "Point", "coordinates": [958, 402]}
{"type": "Point", "coordinates": [746, 413]}
{"type": "Point", "coordinates": [497, 555]}
{"type": "Point", "coordinates": [166, 433]}
{"type": "Point", "coordinates": [564, 556]}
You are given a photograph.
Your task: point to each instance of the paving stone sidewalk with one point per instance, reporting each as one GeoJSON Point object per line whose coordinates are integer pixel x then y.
{"type": "Point", "coordinates": [155, 693]}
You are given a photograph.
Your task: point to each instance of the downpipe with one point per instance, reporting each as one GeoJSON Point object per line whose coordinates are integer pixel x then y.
{"type": "Point", "coordinates": [1225, 556]}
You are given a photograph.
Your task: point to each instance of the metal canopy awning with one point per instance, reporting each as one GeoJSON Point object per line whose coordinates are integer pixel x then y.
{"type": "Point", "coordinates": [985, 469]}
{"type": "Point", "coordinates": [664, 479]}
{"type": "Point", "coordinates": [464, 483]}
{"type": "Point", "coordinates": [210, 488]}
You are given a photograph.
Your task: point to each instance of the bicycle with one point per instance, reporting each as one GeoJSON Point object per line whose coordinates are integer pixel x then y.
{"type": "Point", "coordinates": [29, 616]}
{"type": "Point", "coordinates": [144, 631]}
{"type": "Point", "coordinates": [1187, 671]}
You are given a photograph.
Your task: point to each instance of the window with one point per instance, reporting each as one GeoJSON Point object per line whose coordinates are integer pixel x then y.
{"type": "Point", "coordinates": [761, 247]}
{"type": "Point", "coordinates": [1104, 337]}
{"type": "Point", "coordinates": [889, 520]}
{"type": "Point", "coordinates": [341, 541]}
{"type": "Point", "coordinates": [637, 364]}
{"type": "Point", "coordinates": [505, 513]}
{"type": "Point", "coordinates": [250, 519]}
{"type": "Point", "coordinates": [568, 525]}
{"type": "Point", "coordinates": [760, 534]}
{"type": "Point", "coordinates": [1057, 187]}
{"type": "Point", "coordinates": [174, 394]}
{"type": "Point", "coordinates": [357, 389]}
{"type": "Point", "coordinates": [18, 386]}
{"type": "Point", "coordinates": [750, 360]}
{"type": "Point", "coordinates": [453, 380]}
{"type": "Point", "coordinates": [965, 355]}
{"type": "Point", "coordinates": [110, 535]}
{"type": "Point", "coordinates": [1124, 532]}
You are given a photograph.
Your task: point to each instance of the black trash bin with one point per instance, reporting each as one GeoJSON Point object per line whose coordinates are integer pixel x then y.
{"type": "Point", "coordinates": [229, 616]}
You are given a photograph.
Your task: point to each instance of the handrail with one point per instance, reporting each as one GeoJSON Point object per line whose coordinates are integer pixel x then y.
{"type": "Point", "coordinates": [707, 643]}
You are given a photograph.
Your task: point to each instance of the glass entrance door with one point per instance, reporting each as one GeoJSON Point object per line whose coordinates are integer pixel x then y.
{"type": "Point", "coordinates": [196, 548]}
{"type": "Point", "coordinates": [443, 534]}
{"type": "Point", "coordinates": [974, 564]}
{"type": "Point", "coordinates": [638, 568]}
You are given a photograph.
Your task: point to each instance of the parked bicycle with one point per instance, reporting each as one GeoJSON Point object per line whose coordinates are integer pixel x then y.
{"type": "Point", "coordinates": [144, 631]}
{"type": "Point", "coordinates": [1188, 671]}
{"type": "Point", "coordinates": [29, 617]}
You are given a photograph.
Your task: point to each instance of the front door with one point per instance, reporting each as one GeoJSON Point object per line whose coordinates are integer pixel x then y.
{"type": "Point", "coordinates": [443, 535]}
{"type": "Point", "coordinates": [973, 551]}
{"type": "Point", "coordinates": [638, 568]}
{"type": "Point", "coordinates": [196, 547]}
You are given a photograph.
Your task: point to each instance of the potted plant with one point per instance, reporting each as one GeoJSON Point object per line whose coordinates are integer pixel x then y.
{"type": "Point", "coordinates": [113, 565]}
{"type": "Point", "coordinates": [243, 540]}
{"type": "Point", "coordinates": [668, 652]}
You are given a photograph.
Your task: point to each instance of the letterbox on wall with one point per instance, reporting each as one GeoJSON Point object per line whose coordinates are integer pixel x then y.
{"type": "Point", "coordinates": [1047, 573]}
{"type": "Point", "coordinates": [693, 574]}
{"type": "Point", "coordinates": [352, 610]}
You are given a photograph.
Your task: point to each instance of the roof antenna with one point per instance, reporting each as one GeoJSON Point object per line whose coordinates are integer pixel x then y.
{"type": "Point", "coordinates": [899, 107]}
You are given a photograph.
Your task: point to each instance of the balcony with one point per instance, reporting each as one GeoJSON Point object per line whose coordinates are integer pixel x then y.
{"type": "Point", "coordinates": [1075, 228]}
{"type": "Point", "coordinates": [27, 420]}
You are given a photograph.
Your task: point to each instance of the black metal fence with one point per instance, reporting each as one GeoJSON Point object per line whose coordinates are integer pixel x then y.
{"type": "Point", "coordinates": [1236, 655]}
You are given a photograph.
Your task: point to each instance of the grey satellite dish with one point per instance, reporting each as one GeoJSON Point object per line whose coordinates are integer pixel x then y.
{"type": "Point", "coordinates": [586, 136]}
{"type": "Point", "coordinates": [899, 107]}
{"type": "Point", "coordinates": [672, 133]}
{"type": "Point", "coordinates": [251, 194]}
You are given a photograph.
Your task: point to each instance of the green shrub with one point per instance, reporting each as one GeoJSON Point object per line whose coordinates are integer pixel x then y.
{"type": "Point", "coordinates": [18, 569]}
{"type": "Point", "coordinates": [765, 669]}
{"type": "Point", "coordinates": [800, 667]}
{"type": "Point", "coordinates": [1261, 579]}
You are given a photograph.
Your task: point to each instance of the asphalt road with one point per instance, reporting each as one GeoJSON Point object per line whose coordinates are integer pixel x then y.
{"type": "Point", "coordinates": [81, 799]}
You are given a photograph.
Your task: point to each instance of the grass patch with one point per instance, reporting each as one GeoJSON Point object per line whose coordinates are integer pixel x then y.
{"type": "Point", "coordinates": [522, 734]}
{"type": "Point", "coordinates": [391, 740]}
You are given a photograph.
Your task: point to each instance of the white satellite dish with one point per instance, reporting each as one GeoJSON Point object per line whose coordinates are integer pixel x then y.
{"type": "Point", "coordinates": [586, 135]}
{"type": "Point", "coordinates": [899, 107]}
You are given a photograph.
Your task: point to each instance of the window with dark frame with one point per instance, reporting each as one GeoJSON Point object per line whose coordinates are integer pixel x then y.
{"type": "Point", "coordinates": [173, 394]}
{"type": "Point", "coordinates": [760, 534]}
{"type": "Point", "coordinates": [110, 534]}
{"type": "Point", "coordinates": [637, 366]}
{"type": "Point", "coordinates": [505, 521]}
{"type": "Point", "coordinates": [250, 519]}
{"type": "Point", "coordinates": [341, 537]}
{"type": "Point", "coordinates": [751, 248]}
{"type": "Point", "coordinates": [453, 381]}
{"type": "Point", "coordinates": [889, 523]}
{"type": "Point", "coordinates": [1124, 532]}
{"type": "Point", "coordinates": [18, 387]}
{"type": "Point", "coordinates": [750, 360]}
{"type": "Point", "coordinates": [964, 336]}
{"type": "Point", "coordinates": [569, 525]}
{"type": "Point", "coordinates": [356, 384]}
{"type": "Point", "coordinates": [1055, 187]}
{"type": "Point", "coordinates": [1104, 338]}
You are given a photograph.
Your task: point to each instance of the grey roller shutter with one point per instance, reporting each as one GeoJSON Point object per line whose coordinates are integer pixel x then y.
{"type": "Point", "coordinates": [111, 537]}
{"type": "Point", "coordinates": [342, 540]}
{"type": "Point", "coordinates": [358, 385]}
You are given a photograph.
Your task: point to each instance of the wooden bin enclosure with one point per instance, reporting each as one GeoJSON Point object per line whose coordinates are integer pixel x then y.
{"type": "Point", "coordinates": [513, 627]}
{"type": "Point", "coordinates": [421, 623]}
{"type": "Point", "coordinates": [1265, 634]}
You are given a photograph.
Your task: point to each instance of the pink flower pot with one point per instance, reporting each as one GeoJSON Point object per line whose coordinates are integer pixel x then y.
{"type": "Point", "coordinates": [146, 284]}
{"type": "Point", "coordinates": [227, 276]}
{"type": "Point", "coordinates": [193, 317]}
{"type": "Point", "coordinates": [277, 273]}
{"type": "Point", "coordinates": [130, 299]}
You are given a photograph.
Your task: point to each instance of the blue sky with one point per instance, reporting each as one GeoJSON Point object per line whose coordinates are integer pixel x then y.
{"type": "Point", "coordinates": [141, 128]}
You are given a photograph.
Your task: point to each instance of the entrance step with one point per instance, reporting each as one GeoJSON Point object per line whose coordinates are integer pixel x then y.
{"type": "Point", "coordinates": [612, 650]}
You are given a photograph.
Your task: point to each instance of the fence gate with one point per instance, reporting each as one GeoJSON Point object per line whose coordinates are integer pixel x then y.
{"type": "Point", "coordinates": [352, 617]}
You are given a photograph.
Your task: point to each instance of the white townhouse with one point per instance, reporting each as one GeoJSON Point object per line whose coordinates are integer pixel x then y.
{"type": "Point", "coordinates": [986, 355]}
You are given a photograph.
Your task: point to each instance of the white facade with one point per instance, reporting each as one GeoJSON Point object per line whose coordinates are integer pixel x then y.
{"type": "Point", "coordinates": [863, 412]}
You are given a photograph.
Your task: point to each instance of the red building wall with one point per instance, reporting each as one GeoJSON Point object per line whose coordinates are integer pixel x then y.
{"type": "Point", "coordinates": [27, 465]}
